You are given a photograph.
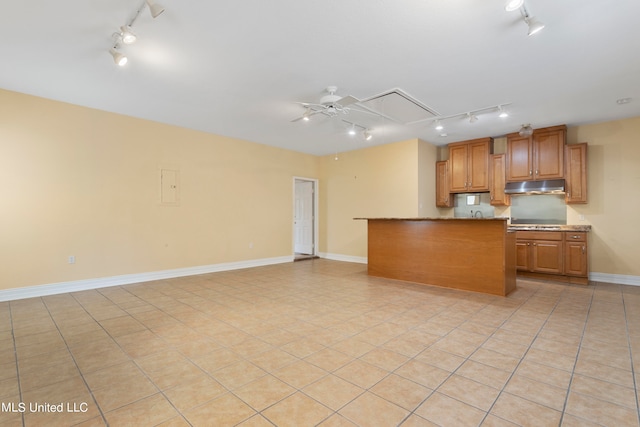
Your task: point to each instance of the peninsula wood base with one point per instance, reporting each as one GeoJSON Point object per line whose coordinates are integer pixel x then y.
{"type": "Point", "coordinates": [469, 254]}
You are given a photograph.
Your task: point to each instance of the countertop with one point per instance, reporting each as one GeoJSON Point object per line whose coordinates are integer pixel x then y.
{"type": "Point", "coordinates": [436, 219]}
{"type": "Point", "coordinates": [548, 227]}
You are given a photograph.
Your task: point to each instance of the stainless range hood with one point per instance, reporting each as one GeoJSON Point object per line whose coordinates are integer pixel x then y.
{"type": "Point", "coordinates": [551, 186]}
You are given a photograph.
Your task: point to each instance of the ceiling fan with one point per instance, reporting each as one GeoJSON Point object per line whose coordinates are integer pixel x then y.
{"type": "Point", "coordinates": [331, 105]}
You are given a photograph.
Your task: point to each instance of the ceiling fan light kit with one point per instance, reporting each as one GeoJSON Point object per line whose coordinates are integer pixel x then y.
{"type": "Point", "coordinates": [125, 35]}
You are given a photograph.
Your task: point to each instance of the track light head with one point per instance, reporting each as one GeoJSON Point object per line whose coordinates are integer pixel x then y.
{"type": "Point", "coordinates": [154, 8]}
{"type": "Point", "coordinates": [352, 130]}
{"type": "Point", "coordinates": [438, 125]}
{"type": "Point", "coordinates": [472, 117]}
{"type": "Point", "coordinates": [513, 5]}
{"type": "Point", "coordinates": [367, 135]}
{"type": "Point", "coordinates": [127, 35]}
{"type": "Point", "coordinates": [503, 114]}
{"type": "Point", "coordinates": [534, 25]}
{"type": "Point", "coordinates": [118, 57]}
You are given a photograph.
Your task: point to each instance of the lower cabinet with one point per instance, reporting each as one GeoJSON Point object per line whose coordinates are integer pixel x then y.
{"type": "Point", "coordinates": [561, 255]}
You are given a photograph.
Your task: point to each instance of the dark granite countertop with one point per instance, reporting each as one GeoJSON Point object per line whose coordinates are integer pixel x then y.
{"type": "Point", "coordinates": [548, 227]}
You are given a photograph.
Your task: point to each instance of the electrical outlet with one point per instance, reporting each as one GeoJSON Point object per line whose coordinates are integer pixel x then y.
{"type": "Point", "coordinates": [72, 259]}
{"type": "Point", "coordinates": [581, 217]}
{"type": "Point", "coordinates": [251, 245]}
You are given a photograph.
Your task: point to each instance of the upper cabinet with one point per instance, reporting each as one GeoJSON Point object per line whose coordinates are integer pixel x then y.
{"type": "Point", "coordinates": [576, 173]}
{"type": "Point", "coordinates": [469, 165]}
{"type": "Point", "coordinates": [443, 198]}
{"type": "Point", "coordinates": [536, 157]}
{"type": "Point", "coordinates": [497, 181]}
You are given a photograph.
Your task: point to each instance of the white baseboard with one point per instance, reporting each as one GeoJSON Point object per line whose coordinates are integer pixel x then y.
{"type": "Point", "coordinates": [127, 279]}
{"type": "Point", "coordinates": [620, 279]}
{"type": "Point", "coordinates": [346, 258]}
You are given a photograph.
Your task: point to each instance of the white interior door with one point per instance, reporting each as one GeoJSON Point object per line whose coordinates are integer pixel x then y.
{"type": "Point", "coordinates": [303, 221]}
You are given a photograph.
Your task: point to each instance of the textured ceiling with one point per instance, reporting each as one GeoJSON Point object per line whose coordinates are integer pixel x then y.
{"type": "Point", "coordinates": [239, 68]}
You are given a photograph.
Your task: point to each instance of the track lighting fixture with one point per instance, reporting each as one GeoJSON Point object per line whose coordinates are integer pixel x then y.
{"type": "Point", "coordinates": [154, 8]}
{"type": "Point", "coordinates": [513, 5]}
{"type": "Point", "coordinates": [118, 57]}
{"type": "Point", "coordinates": [307, 115]}
{"type": "Point", "coordinates": [352, 129]}
{"type": "Point", "coordinates": [438, 125]}
{"type": "Point", "coordinates": [533, 24]}
{"type": "Point", "coordinates": [367, 135]}
{"type": "Point", "coordinates": [503, 114]}
{"type": "Point", "coordinates": [127, 35]}
{"type": "Point", "coordinates": [472, 117]}
{"type": "Point", "coordinates": [525, 130]}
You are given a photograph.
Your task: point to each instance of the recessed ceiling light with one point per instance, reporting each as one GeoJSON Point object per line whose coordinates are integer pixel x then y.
{"type": "Point", "coordinates": [622, 101]}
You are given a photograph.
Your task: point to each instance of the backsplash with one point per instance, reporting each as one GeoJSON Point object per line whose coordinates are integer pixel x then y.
{"type": "Point", "coordinates": [477, 205]}
{"type": "Point", "coordinates": [538, 209]}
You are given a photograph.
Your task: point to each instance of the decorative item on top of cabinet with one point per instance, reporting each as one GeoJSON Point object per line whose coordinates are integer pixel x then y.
{"type": "Point", "coordinates": [536, 157]}
{"type": "Point", "coordinates": [443, 198]}
{"type": "Point", "coordinates": [469, 165]}
{"type": "Point", "coordinates": [576, 173]}
{"type": "Point", "coordinates": [497, 180]}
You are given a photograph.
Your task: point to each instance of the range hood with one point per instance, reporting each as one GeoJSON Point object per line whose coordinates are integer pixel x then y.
{"type": "Point", "coordinates": [551, 186]}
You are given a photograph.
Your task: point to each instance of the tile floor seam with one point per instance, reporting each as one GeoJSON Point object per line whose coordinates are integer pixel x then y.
{"type": "Point", "coordinates": [95, 402]}
{"type": "Point", "coordinates": [488, 412]}
{"type": "Point", "coordinates": [573, 371]}
{"type": "Point", "coordinates": [15, 357]}
{"type": "Point", "coordinates": [633, 374]}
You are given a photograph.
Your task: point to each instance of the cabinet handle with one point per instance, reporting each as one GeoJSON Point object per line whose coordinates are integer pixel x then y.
{"type": "Point", "coordinates": [583, 249]}
{"type": "Point", "coordinates": [537, 173]}
{"type": "Point", "coordinates": [530, 172]}
{"type": "Point", "coordinates": [568, 194]}
{"type": "Point", "coordinates": [575, 237]}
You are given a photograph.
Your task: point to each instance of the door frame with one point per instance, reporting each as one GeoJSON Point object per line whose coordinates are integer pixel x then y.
{"type": "Point", "coordinates": [314, 181]}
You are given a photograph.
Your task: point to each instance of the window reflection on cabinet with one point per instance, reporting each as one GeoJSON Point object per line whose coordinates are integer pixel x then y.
{"type": "Point", "coordinates": [497, 181]}
{"type": "Point", "coordinates": [576, 173]}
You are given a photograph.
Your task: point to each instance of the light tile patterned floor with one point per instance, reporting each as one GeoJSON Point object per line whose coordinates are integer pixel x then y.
{"type": "Point", "coordinates": [319, 342]}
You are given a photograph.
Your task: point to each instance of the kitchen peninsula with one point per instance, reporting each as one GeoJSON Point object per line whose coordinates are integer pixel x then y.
{"type": "Point", "coordinates": [473, 254]}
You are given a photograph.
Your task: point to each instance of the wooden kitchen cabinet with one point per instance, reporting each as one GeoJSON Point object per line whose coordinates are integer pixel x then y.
{"type": "Point", "coordinates": [554, 255]}
{"type": "Point", "coordinates": [536, 157]}
{"type": "Point", "coordinates": [469, 165]}
{"type": "Point", "coordinates": [575, 254]}
{"type": "Point", "coordinates": [443, 197]}
{"type": "Point", "coordinates": [540, 252]}
{"type": "Point", "coordinates": [497, 181]}
{"type": "Point", "coordinates": [576, 173]}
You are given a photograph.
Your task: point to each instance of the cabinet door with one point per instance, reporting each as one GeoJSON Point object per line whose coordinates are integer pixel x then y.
{"type": "Point", "coordinates": [575, 259]}
{"type": "Point", "coordinates": [497, 181]}
{"type": "Point", "coordinates": [443, 198]}
{"type": "Point", "coordinates": [522, 255]}
{"type": "Point", "coordinates": [576, 173]}
{"type": "Point", "coordinates": [546, 256]}
{"type": "Point", "coordinates": [458, 168]}
{"type": "Point", "coordinates": [548, 146]}
{"type": "Point", "coordinates": [519, 158]}
{"type": "Point", "coordinates": [478, 167]}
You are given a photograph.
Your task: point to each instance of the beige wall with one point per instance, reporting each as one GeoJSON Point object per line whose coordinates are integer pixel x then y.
{"type": "Point", "coordinates": [391, 180]}
{"type": "Point", "coordinates": [86, 183]}
{"type": "Point", "coordinates": [614, 195]}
